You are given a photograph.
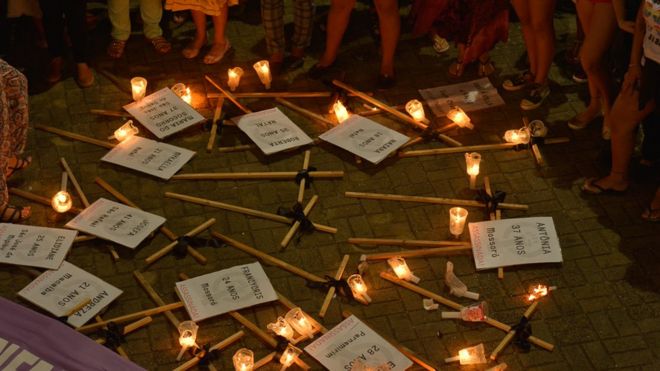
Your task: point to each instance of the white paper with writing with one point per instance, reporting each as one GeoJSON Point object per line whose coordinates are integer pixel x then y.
{"type": "Point", "coordinates": [149, 156]}
{"type": "Point", "coordinates": [34, 246]}
{"type": "Point", "coordinates": [365, 138]}
{"type": "Point", "coordinates": [470, 96]}
{"type": "Point", "coordinates": [116, 222]}
{"type": "Point", "coordinates": [227, 290]}
{"type": "Point", "coordinates": [164, 113]}
{"type": "Point", "coordinates": [60, 291]}
{"type": "Point", "coordinates": [501, 243]}
{"type": "Point", "coordinates": [352, 340]}
{"type": "Point", "coordinates": [272, 131]}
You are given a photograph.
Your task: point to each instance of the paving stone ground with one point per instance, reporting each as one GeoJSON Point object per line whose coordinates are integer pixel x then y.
{"type": "Point", "coordinates": [605, 313]}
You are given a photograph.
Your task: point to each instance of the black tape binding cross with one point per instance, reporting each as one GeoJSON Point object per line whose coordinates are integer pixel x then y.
{"type": "Point", "coordinates": [206, 356]}
{"type": "Point", "coordinates": [180, 250]}
{"type": "Point", "coordinates": [114, 335]}
{"type": "Point", "coordinates": [282, 343]}
{"type": "Point", "coordinates": [297, 213]}
{"type": "Point", "coordinates": [304, 174]}
{"type": "Point", "coordinates": [491, 202]}
{"type": "Point", "coordinates": [430, 132]}
{"type": "Point", "coordinates": [342, 287]}
{"type": "Point", "coordinates": [523, 331]}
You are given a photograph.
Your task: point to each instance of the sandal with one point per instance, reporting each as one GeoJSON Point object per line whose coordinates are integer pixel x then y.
{"type": "Point", "coordinates": [160, 45]}
{"type": "Point", "coordinates": [591, 187]}
{"type": "Point", "coordinates": [486, 68]}
{"type": "Point", "coordinates": [651, 215]}
{"type": "Point", "coordinates": [456, 69]}
{"type": "Point", "coordinates": [20, 164]}
{"type": "Point", "coordinates": [116, 48]}
{"type": "Point", "coordinates": [16, 213]}
{"type": "Point", "coordinates": [216, 54]}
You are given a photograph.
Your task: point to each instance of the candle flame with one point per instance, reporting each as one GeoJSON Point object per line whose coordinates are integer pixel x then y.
{"type": "Point", "coordinates": [340, 111]}
{"type": "Point", "coordinates": [539, 291]}
{"type": "Point", "coordinates": [460, 118]}
{"type": "Point", "coordinates": [187, 339]}
{"type": "Point", "coordinates": [62, 202]}
{"type": "Point", "coordinates": [416, 110]}
{"type": "Point", "coordinates": [187, 96]}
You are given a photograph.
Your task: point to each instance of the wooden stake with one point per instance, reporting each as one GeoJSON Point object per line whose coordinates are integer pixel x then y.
{"type": "Point", "coordinates": [227, 94]}
{"type": "Point", "coordinates": [83, 238]}
{"type": "Point", "coordinates": [394, 112]}
{"type": "Point", "coordinates": [219, 346]}
{"type": "Point", "coordinates": [165, 250]}
{"type": "Point", "coordinates": [78, 307]}
{"type": "Point", "coordinates": [424, 363]}
{"type": "Point", "coordinates": [431, 200]}
{"type": "Point", "coordinates": [131, 317]}
{"type": "Point", "coordinates": [404, 243]}
{"type": "Point", "coordinates": [39, 199]}
{"type": "Point", "coordinates": [239, 148]}
{"type": "Point", "coordinates": [303, 181]}
{"type": "Point", "coordinates": [245, 210]}
{"type": "Point", "coordinates": [452, 304]}
{"type": "Point", "coordinates": [296, 224]}
{"type": "Point", "coordinates": [105, 112]}
{"type": "Point", "coordinates": [450, 250]}
{"type": "Point", "coordinates": [131, 327]}
{"type": "Point", "coordinates": [267, 258]}
{"type": "Point", "coordinates": [272, 175]}
{"type": "Point", "coordinates": [264, 361]}
{"type": "Point", "coordinates": [75, 136]}
{"type": "Point", "coordinates": [123, 199]}
{"type": "Point", "coordinates": [494, 216]}
{"type": "Point", "coordinates": [287, 303]}
{"type": "Point", "coordinates": [475, 148]}
{"type": "Point", "coordinates": [214, 124]}
{"type": "Point", "coordinates": [156, 298]}
{"type": "Point", "coordinates": [509, 336]}
{"type": "Point", "coordinates": [331, 290]}
{"type": "Point", "coordinates": [280, 94]}
{"type": "Point", "coordinates": [305, 112]}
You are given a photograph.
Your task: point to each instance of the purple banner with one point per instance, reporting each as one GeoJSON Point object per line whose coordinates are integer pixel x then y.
{"type": "Point", "coordinates": [31, 341]}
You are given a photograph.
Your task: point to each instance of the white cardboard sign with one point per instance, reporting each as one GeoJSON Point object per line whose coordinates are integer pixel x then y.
{"type": "Point", "coordinates": [116, 222]}
{"type": "Point", "coordinates": [470, 96]}
{"type": "Point", "coordinates": [224, 291]}
{"type": "Point", "coordinates": [149, 156]}
{"type": "Point", "coordinates": [365, 138]}
{"type": "Point", "coordinates": [352, 340]}
{"type": "Point", "coordinates": [501, 243]}
{"type": "Point", "coordinates": [34, 246]}
{"type": "Point", "coordinates": [164, 113]}
{"type": "Point", "coordinates": [272, 131]}
{"type": "Point", "coordinates": [62, 290]}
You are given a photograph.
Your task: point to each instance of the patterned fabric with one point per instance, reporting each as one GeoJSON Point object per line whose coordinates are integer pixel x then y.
{"type": "Point", "coordinates": [13, 120]}
{"type": "Point", "coordinates": [208, 7]}
{"type": "Point", "coordinates": [272, 16]}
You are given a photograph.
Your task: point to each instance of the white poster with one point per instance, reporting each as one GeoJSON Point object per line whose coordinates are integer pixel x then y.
{"type": "Point", "coordinates": [148, 156]}
{"type": "Point", "coordinates": [224, 291]}
{"type": "Point", "coordinates": [116, 222]}
{"type": "Point", "coordinates": [365, 138]}
{"type": "Point", "coordinates": [63, 290]}
{"type": "Point", "coordinates": [470, 96]}
{"type": "Point", "coordinates": [353, 341]}
{"type": "Point", "coordinates": [164, 113]}
{"type": "Point", "coordinates": [272, 131]}
{"type": "Point", "coordinates": [34, 246]}
{"type": "Point", "coordinates": [501, 243]}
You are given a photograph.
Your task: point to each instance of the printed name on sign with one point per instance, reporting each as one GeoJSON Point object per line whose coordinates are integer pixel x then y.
{"type": "Point", "coordinates": [34, 246]}
{"type": "Point", "coordinates": [226, 290]}
{"type": "Point", "coordinates": [63, 290]}
{"type": "Point", "coordinates": [116, 222]}
{"type": "Point", "coordinates": [470, 96]}
{"type": "Point", "coordinates": [272, 131]}
{"type": "Point", "coordinates": [164, 113]}
{"type": "Point", "coordinates": [502, 243]}
{"type": "Point", "coordinates": [148, 156]}
{"type": "Point", "coordinates": [365, 138]}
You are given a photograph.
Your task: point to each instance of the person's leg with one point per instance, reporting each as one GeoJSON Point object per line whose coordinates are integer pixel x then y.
{"type": "Point", "coordinates": [541, 19]}
{"type": "Point", "coordinates": [192, 49]}
{"type": "Point", "coordinates": [54, 26]}
{"type": "Point", "coordinates": [390, 27]}
{"type": "Point", "coordinates": [303, 22]}
{"type": "Point", "coordinates": [652, 213]}
{"type": "Point", "coordinates": [151, 12]}
{"type": "Point", "coordinates": [75, 13]}
{"type": "Point", "coordinates": [272, 16]}
{"type": "Point", "coordinates": [119, 14]}
{"type": "Point", "coordinates": [220, 43]}
{"type": "Point", "coordinates": [522, 10]}
{"type": "Point", "coordinates": [340, 13]}
{"type": "Point", "coordinates": [456, 69]}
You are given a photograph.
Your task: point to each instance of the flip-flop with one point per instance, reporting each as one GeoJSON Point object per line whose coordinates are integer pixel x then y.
{"type": "Point", "coordinates": [591, 187]}
{"type": "Point", "coordinates": [15, 214]}
{"type": "Point", "coordinates": [651, 215]}
{"type": "Point", "coordinates": [21, 163]}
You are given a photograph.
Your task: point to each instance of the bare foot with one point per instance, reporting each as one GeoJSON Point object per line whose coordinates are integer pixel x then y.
{"type": "Point", "coordinates": [192, 50]}
{"type": "Point", "coordinates": [85, 76]}
{"type": "Point", "coordinates": [55, 70]}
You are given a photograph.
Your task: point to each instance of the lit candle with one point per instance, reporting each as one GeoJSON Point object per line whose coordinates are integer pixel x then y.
{"type": "Point", "coordinates": [187, 96]}
{"type": "Point", "coordinates": [340, 111]}
{"type": "Point", "coordinates": [457, 216]}
{"type": "Point", "coordinates": [62, 201]}
{"type": "Point", "coordinates": [183, 92]}
{"type": "Point", "coordinates": [188, 336]}
{"type": "Point", "coordinates": [358, 287]}
{"type": "Point", "coordinates": [126, 131]}
{"type": "Point", "coordinates": [139, 87]}
{"type": "Point", "coordinates": [289, 356]}
{"type": "Point", "coordinates": [540, 291]}
{"type": "Point", "coordinates": [263, 70]}
{"type": "Point", "coordinates": [401, 269]}
{"type": "Point", "coordinates": [538, 129]}
{"type": "Point", "coordinates": [469, 356]}
{"type": "Point", "coordinates": [234, 77]}
{"type": "Point", "coordinates": [520, 136]}
{"type": "Point", "coordinates": [472, 313]}
{"type": "Point", "coordinates": [282, 328]}
{"type": "Point", "coordinates": [458, 116]}
{"type": "Point", "coordinates": [472, 161]}
{"type": "Point", "coordinates": [416, 110]}
{"type": "Point", "coordinates": [299, 321]}
{"type": "Point", "coordinates": [243, 360]}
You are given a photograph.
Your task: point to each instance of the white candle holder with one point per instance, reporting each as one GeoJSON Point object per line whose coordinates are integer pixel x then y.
{"type": "Point", "coordinates": [126, 131]}
{"type": "Point", "coordinates": [460, 118]}
{"type": "Point", "coordinates": [469, 356]}
{"type": "Point", "coordinates": [457, 217]}
{"type": "Point", "coordinates": [472, 161]}
{"type": "Point", "coordinates": [289, 356]}
{"type": "Point", "coordinates": [138, 88]}
{"type": "Point", "coordinates": [300, 322]}
{"type": "Point", "coordinates": [520, 136]}
{"type": "Point", "coordinates": [243, 360]}
{"type": "Point", "coordinates": [416, 110]}
{"type": "Point", "coordinates": [263, 70]}
{"type": "Point", "coordinates": [234, 77]}
{"type": "Point", "coordinates": [401, 269]}
{"type": "Point", "coordinates": [62, 201]}
{"type": "Point", "coordinates": [187, 336]}
{"type": "Point", "coordinates": [282, 328]}
{"type": "Point", "coordinates": [358, 287]}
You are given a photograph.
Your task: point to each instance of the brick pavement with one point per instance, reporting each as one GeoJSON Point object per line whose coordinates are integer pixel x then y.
{"type": "Point", "coordinates": [605, 313]}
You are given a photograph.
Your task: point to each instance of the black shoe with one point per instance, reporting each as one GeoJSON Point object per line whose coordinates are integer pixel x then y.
{"type": "Point", "coordinates": [317, 71]}
{"type": "Point", "coordinates": [385, 81]}
{"type": "Point", "coordinates": [292, 63]}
